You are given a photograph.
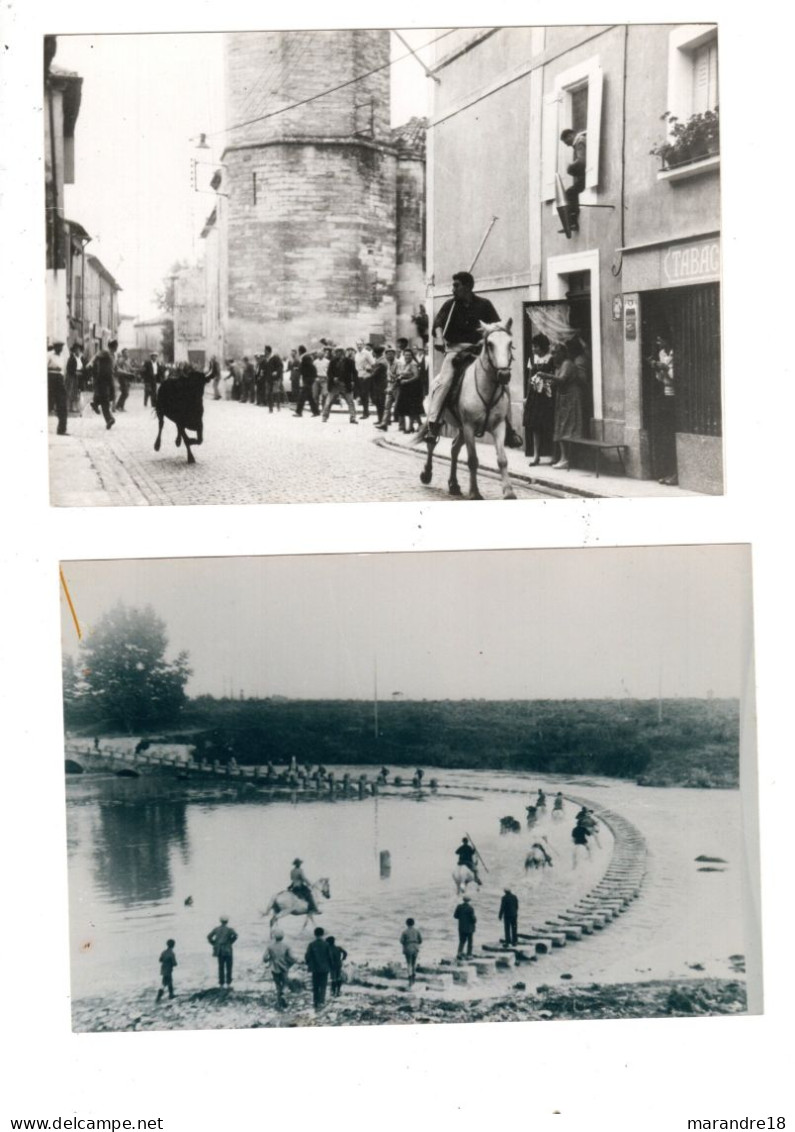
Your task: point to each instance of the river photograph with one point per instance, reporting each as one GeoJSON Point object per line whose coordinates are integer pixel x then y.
{"type": "Point", "coordinates": [382, 789]}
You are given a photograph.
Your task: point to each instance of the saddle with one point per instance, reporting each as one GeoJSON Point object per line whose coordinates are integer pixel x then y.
{"type": "Point", "coordinates": [461, 363]}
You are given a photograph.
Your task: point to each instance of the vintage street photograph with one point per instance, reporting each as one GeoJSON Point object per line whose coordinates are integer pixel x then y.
{"type": "Point", "coordinates": [338, 790]}
{"type": "Point", "coordinates": [373, 265]}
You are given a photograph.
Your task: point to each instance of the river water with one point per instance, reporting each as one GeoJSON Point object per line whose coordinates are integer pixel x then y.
{"type": "Point", "coordinates": [138, 849]}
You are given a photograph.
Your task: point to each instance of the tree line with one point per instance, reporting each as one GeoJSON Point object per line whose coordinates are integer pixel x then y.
{"type": "Point", "coordinates": [123, 683]}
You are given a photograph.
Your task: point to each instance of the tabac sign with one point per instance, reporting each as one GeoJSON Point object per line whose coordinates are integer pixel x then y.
{"type": "Point", "coordinates": [691, 263]}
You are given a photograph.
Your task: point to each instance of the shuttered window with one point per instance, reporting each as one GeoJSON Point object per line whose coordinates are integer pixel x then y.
{"type": "Point", "coordinates": [574, 104]}
{"type": "Point", "coordinates": [705, 77]}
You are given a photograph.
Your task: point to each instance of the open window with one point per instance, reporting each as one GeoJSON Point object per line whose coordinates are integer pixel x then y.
{"type": "Point", "coordinates": [574, 104]}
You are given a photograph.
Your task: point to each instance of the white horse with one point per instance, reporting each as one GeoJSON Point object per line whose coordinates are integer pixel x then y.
{"type": "Point", "coordinates": [482, 405]}
{"type": "Point", "coordinates": [286, 903]}
{"type": "Point", "coordinates": [463, 875]}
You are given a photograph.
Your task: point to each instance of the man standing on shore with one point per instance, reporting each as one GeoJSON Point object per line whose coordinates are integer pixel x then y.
{"type": "Point", "coordinates": [465, 914]}
{"type": "Point", "coordinates": [222, 939]}
{"type": "Point", "coordinates": [318, 960]}
{"type": "Point", "coordinates": [281, 959]}
{"type": "Point", "coordinates": [410, 941]}
{"type": "Point", "coordinates": [509, 914]}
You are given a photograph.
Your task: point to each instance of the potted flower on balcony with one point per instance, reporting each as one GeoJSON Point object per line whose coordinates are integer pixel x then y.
{"type": "Point", "coordinates": [692, 140]}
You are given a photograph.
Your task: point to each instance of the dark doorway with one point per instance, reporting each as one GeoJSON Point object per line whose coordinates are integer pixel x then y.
{"type": "Point", "coordinates": [197, 358]}
{"type": "Point", "coordinates": [689, 317]}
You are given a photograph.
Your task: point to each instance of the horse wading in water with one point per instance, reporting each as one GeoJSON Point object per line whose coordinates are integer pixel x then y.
{"type": "Point", "coordinates": [481, 406]}
{"type": "Point", "coordinates": [286, 903]}
{"type": "Point", "coordinates": [462, 875]}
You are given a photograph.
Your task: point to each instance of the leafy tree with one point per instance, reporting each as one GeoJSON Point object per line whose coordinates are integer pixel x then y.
{"type": "Point", "coordinates": [125, 681]}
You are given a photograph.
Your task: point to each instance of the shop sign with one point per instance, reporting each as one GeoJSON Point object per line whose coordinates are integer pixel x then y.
{"type": "Point", "coordinates": [630, 319]}
{"type": "Point", "coordinates": [692, 263]}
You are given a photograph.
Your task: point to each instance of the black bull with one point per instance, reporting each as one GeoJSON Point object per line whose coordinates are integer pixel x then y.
{"type": "Point", "coordinates": [181, 399]}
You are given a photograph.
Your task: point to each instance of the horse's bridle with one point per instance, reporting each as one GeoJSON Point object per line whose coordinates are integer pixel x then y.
{"type": "Point", "coordinates": [500, 387]}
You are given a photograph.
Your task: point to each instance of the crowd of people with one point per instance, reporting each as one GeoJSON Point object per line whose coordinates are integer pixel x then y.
{"type": "Point", "coordinates": [386, 382]}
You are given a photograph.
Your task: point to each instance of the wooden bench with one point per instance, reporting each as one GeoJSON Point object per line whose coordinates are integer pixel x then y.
{"type": "Point", "coordinates": [598, 447]}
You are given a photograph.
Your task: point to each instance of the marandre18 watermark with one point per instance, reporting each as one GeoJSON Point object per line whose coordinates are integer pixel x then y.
{"type": "Point", "coordinates": [740, 1122]}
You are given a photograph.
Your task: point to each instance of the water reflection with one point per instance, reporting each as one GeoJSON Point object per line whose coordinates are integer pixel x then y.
{"type": "Point", "coordinates": [133, 844]}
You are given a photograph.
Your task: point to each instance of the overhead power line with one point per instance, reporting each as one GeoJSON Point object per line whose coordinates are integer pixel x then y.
{"type": "Point", "coordinates": [331, 90]}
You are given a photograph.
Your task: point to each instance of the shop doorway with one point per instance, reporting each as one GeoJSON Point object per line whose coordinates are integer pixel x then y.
{"type": "Point", "coordinates": [689, 319]}
{"type": "Point", "coordinates": [557, 320]}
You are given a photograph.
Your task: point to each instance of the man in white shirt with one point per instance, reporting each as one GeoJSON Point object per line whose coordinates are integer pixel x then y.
{"type": "Point", "coordinates": [56, 384]}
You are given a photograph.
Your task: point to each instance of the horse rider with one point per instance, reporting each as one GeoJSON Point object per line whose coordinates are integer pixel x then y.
{"type": "Point", "coordinates": [456, 332]}
{"type": "Point", "coordinates": [300, 886]}
{"type": "Point", "coordinates": [466, 857]}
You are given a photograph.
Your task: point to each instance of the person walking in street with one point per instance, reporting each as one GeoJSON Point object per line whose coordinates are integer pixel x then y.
{"type": "Point", "coordinates": [337, 956]}
{"type": "Point", "coordinates": [273, 370]}
{"type": "Point", "coordinates": [408, 406]}
{"type": "Point", "coordinates": [308, 376]}
{"type": "Point", "coordinates": [364, 361]}
{"type": "Point", "coordinates": [392, 377]}
{"type": "Point", "coordinates": [378, 383]}
{"type": "Point", "coordinates": [222, 939]}
{"type": "Point", "coordinates": [152, 374]}
{"type": "Point", "coordinates": [280, 958]}
{"type": "Point", "coordinates": [214, 374]}
{"type": "Point", "coordinates": [56, 385]}
{"type": "Point", "coordinates": [74, 377]}
{"type": "Point", "coordinates": [249, 381]}
{"type": "Point", "coordinates": [168, 962]}
{"type": "Point", "coordinates": [340, 384]}
{"type": "Point", "coordinates": [293, 368]}
{"type": "Point", "coordinates": [318, 960]}
{"type": "Point", "coordinates": [465, 914]}
{"type": "Point", "coordinates": [124, 376]}
{"type": "Point", "coordinates": [320, 387]}
{"type": "Point", "coordinates": [104, 365]}
{"type": "Point", "coordinates": [410, 941]}
{"type": "Point", "coordinates": [509, 914]}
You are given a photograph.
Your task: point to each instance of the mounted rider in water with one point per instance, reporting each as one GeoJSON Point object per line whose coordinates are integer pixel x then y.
{"type": "Point", "coordinates": [457, 332]}
{"type": "Point", "coordinates": [467, 854]}
{"type": "Point", "coordinates": [301, 887]}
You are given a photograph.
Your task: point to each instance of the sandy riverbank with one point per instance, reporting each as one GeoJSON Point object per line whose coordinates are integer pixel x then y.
{"type": "Point", "coordinates": [248, 1009]}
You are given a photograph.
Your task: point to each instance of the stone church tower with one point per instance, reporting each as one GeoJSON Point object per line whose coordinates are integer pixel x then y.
{"type": "Point", "coordinates": [311, 213]}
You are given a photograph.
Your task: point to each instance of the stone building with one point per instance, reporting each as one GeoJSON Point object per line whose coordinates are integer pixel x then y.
{"type": "Point", "coordinates": [645, 260]}
{"type": "Point", "coordinates": [319, 224]}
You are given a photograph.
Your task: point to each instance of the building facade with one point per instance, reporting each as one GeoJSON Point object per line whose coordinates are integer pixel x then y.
{"type": "Point", "coordinates": [62, 94]}
{"type": "Point", "coordinates": [318, 229]}
{"type": "Point", "coordinates": [645, 260]}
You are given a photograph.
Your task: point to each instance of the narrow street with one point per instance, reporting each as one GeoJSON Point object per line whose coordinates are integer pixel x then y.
{"type": "Point", "coordinates": [250, 456]}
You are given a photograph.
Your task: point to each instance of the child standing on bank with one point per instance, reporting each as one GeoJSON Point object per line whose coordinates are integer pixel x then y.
{"type": "Point", "coordinates": [168, 962]}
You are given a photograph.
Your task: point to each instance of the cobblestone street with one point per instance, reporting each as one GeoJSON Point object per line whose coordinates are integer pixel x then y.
{"type": "Point", "coordinates": [249, 456]}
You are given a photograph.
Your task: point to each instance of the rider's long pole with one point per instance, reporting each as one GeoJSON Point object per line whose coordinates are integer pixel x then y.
{"type": "Point", "coordinates": [481, 246]}
{"type": "Point", "coordinates": [486, 235]}
{"type": "Point", "coordinates": [474, 846]}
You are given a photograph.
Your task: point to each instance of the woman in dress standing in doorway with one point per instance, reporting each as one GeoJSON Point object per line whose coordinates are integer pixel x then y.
{"type": "Point", "coordinates": [539, 406]}
{"type": "Point", "coordinates": [568, 402]}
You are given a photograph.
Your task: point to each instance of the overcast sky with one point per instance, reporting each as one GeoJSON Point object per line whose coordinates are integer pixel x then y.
{"type": "Point", "coordinates": [145, 97]}
{"type": "Point", "coordinates": [490, 624]}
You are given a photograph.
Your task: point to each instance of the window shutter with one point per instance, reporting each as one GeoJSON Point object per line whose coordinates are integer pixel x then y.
{"type": "Point", "coordinates": [593, 140]}
{"type": "Point", "coordinates": [550, 146]}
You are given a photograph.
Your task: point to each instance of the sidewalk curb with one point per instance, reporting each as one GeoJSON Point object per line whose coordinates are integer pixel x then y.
{"type": "Point", "coordinates": [523, 477]}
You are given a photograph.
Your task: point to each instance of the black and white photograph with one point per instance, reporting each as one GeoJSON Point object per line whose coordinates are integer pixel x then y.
{"type": "Point", "coordinates": [316, 792]}
{"type": "Point", "coordinates": [373, 265]}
